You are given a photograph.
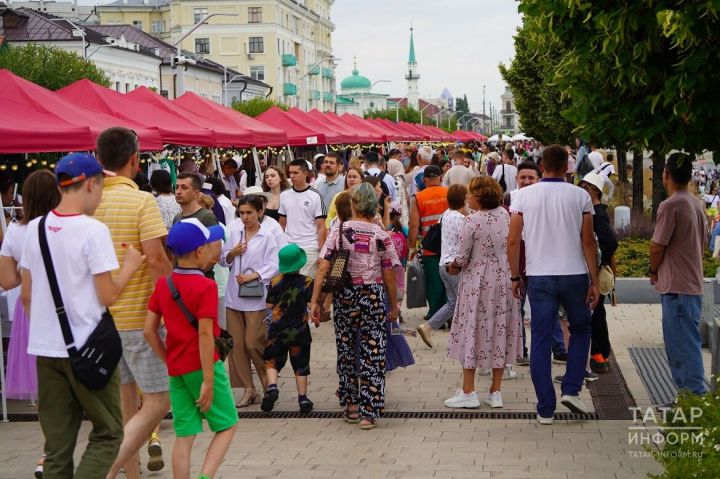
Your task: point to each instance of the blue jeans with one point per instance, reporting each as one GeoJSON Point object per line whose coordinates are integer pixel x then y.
{"type": "Point", "coordinates": [451, 290]}
{"type": "Point", "coordinates": [546, 294]}
{"type": "Point", "coordinates": [681, 332]}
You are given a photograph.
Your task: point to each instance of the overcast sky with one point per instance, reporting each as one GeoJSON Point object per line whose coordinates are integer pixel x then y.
{"type": "Point", "coordinates": [458, 44]}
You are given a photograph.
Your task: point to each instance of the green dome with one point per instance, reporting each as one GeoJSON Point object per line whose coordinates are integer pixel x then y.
{"type": "Point", "coordinates": [356, 81]}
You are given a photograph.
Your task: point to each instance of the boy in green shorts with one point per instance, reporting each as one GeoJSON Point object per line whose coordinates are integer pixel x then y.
{"type": "Point", "coordinates": [199, 385]}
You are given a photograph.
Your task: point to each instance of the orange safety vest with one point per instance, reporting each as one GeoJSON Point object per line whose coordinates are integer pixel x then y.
{"type": "Point", "coordinates": [432, 203]}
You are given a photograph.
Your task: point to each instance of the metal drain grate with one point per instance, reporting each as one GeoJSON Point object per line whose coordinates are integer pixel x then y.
{"type": "Point", "coordinates": [519, 415]}
{"type": "Point", "coordinates": [652, 367]}
{"type": "Point", "coordinates": [611, 396]}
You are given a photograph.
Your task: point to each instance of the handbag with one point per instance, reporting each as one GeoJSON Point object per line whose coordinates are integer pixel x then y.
{"type": "Point", "coordinates": [94, 363]}
{"type": "Point", "coordinates": [223, 343]}
{"type": "Point", "coordinates": [252, 289]}
{"type": "Point", "coordinates": [607, 280]}
{"type": "Point", "coordinates": [415, 285]}
{"type": "Point", "coordinates": [337, 278]}
{"type": "Point", "coordinates": [432, 241]}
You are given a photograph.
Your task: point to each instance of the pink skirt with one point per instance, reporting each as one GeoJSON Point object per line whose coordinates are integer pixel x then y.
{"type": "Point", "coordinates": [21, 378]}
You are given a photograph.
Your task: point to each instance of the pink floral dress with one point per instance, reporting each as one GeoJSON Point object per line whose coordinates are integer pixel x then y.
{"type": "Point", "coordinates": [486, 325]}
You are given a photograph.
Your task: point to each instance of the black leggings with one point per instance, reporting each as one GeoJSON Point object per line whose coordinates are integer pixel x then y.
{"type": "Point", "coordinates": [600, 342]}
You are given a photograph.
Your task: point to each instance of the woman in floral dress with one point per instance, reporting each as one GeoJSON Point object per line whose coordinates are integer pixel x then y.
{"type": "Point", "coordinates": [486, 324]}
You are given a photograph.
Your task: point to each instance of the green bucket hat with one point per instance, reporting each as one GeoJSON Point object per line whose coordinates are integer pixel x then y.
{"type": "Point", "coordinates": [292, 258]}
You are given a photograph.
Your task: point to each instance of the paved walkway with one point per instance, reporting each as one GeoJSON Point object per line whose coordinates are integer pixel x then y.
{"type": "Point", "coordinates": [477, 448]}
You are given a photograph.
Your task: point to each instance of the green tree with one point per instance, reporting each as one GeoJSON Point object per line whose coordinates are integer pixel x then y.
{"type": "Point", "coordinates": [636, 74]}
{"type": "Point", "coordinates": [537, 100]}
{"type": "Point", "coordinates": [256, 106]}
{"type": "Point", "coordinates": [49, 66]}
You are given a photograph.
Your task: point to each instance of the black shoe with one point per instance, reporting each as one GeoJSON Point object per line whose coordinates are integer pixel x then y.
{"type": "Point", "coordinates": [306, 405]}
{"type": "Point", "coordinates": [600, 368]}
{"type": "Point", "coordinates": [268, 402]}
{"type": "Point", "coordinates": [560, 358]}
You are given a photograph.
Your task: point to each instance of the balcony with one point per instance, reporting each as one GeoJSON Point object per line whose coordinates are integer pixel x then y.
{"type": "Point", "coordinates": [507, 112]}
{"type": "Point", "coordinates": [289, 89]}
{"type": "Point", "coordinates": [327, 73]}
{"type": "Point", "coordinates": [289, 60]}
{"type": "Point", "coordinates": [328, 96]}
{"type": "Point", "coordinates": [314, 95]}
{"type": "Point", "coordinates": [314, 71]}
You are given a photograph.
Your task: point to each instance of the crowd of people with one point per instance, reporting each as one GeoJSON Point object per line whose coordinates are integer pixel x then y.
{"type": "Point", "coordinates": [239, 264]}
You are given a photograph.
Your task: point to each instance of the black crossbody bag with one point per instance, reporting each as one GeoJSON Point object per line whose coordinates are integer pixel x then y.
{"type": "Point", "coordinates": [223, 343]}
{"type": "Point", "coordinates": [94, 363]}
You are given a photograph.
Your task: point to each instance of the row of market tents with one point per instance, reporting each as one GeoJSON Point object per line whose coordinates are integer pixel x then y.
{"type": "Point", "coordinates": [34, 119]}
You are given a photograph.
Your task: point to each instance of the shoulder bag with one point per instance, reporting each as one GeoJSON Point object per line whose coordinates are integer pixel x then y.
{"type": "Point", "coordinates": [502, 182]}
{"type": "Point", "coordinates": [252, 289]}
{"type": "Point", "coordinates": [432, 241]}
{"type": "Point", "coordinates": [94, 363]}
{"type": "Point", "coordinates": [223, 343]}
{"type": "Point", "coordinates": [606, 279]}
{"type": "Point", "coordinates": [337, 277]}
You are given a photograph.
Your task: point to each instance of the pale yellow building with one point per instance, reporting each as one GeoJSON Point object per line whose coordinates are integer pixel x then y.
{"type": "Point", "coordinates": [273, 41]}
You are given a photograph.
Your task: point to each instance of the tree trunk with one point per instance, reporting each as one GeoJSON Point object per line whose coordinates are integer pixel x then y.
{"type": "Point", "coordinates": [622, 166]}
{"type": "Point", "coordinates": [638, 208]}
{"type": "Point", "coordinates": [658, 193]}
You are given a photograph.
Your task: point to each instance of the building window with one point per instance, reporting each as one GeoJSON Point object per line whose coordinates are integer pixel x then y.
{"type": "Point", "coordinates": [202, 45]}
{"type": "Point", "coordinates": [127, 88]}
{"type": "Point", "coordinates": [254, 14]}
{"type": "Point", "coordinates": [257, 72]}
{"type": "Point", "coordinates": [138, 24]}
{"type": "Point", "coordinates": [507, 106]}
{"type": "Point", "coordinates": [257, 45]}
{"type": "Point", "coordinates": [117, 86]}
{"type": "Point", "coordinates": [199, 14]}
{"type": "Point", "coordinates": [157, 27]}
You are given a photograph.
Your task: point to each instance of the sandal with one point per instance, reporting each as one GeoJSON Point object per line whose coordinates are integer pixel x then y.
{"type": "Point", "coordinates": [351, 417]}
{"type": "Point", "coordinates": [248, 399]}
{"type": "Point", "coordinates": [370, 424]}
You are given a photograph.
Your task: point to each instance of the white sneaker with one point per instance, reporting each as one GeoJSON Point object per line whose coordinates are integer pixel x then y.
{"type": "Point", "coordinates": [545, 421]}
{"type": "Point", "coordinates": [574, 404]}
{"type": "Point", "coordinates": [484, 371]}
{"type": "Point", "coordinates": [494, 400]}
{"type": "Point", "coordinates": [509, 373]}
{"type": "Point", "coordinates": [462, 400]}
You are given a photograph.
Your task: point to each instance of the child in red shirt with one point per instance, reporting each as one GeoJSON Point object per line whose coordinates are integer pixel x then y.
{"type": "Point", "coordinates": [199, 385]}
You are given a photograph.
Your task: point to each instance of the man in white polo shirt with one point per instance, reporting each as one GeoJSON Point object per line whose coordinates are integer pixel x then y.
{"type": "Point", "coordinates": [302, 215]}
{"type": "Point", "coordinates": [555, 218]}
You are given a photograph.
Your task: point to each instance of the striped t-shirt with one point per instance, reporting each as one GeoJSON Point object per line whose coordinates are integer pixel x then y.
{"type": "Point", "coordinates": [132, 216]}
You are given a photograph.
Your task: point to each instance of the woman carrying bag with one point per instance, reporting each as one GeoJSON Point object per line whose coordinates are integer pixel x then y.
{"type": "Point", "coordinates": [251, 252]}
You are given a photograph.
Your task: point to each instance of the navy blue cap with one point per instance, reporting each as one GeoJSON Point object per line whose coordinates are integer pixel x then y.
{"type": "Point", "coordinates": [188, 235]}
{"type": "Point", "coordinates": [79, 167]}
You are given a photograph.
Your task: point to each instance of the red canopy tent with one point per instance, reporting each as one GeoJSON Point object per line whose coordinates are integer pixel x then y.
{"type": "Point", "coordinates": [224, 135]}
{"type": "Point", "coordinates": [331, 135]}
{"type": "Point", "coordinates": [263, 134]}
{"type": "Point", "coordinates": [444, 135]}
{"type": "Point", "coordinates": [402, 135]}
{"type": "Point", "coordinates": [16, 89]}
{"type": "Point", "coordinates": [24, 130]}
{"type": "Point", "coordinates": [367, 131]}
{"type": "Point", "coordinates": [421, 134]}
{"type": "Point", "coordinates": [173, 128]}
{"type": "Point", "coordinates": [337, 125]}
{"type": "Point", "coordinates": [297, 133]}
{"type": "Point", "coordinates": [389, 133]}
{"type": "Point", "coordinates": [461, 135]}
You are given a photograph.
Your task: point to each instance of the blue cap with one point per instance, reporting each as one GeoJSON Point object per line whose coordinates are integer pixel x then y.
{"type": "Point", "coordinates": [188, 235]}
{"type": "Point", "coordinates": [79, 167]}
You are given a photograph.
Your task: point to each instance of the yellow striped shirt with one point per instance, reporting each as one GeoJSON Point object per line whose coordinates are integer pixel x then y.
{"type": "Point", "coordinates": [132, 217]}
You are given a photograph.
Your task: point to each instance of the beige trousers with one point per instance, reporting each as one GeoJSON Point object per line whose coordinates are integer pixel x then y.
{"type": "Point", "coordinates": [250, 336]}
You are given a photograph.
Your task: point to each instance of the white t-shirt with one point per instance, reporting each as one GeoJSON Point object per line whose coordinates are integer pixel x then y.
{"type": "Point", "coordinates": [301, 209]}
{"type": "Point", "coordinates": [552, 212]}
{"type": "Point", "coordinates": [458, 175]}
{"type": "Point", "coordinates": [606, 169]}
{"type": "Point", "coordinates": [596, 158]}
{"type": "Point", "coordinates": [510, 174]}
{"type": "Point", "coordinates": [80, 248]}
{"type": "Point", "coordinates": [228, 209]}
{"type": "Point", "coordinates": [452, 222]}
{"type": "Point", "coordinates": [12, 246]}
{"type": "Point", "coordinates": [712, 199]}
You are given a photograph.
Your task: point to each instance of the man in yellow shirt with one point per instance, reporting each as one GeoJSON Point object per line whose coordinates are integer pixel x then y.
{"type": "Point", "coordinates": [133, 218]}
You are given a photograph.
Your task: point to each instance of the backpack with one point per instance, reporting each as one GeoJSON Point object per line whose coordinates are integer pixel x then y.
{"type": "Point", "coordinates": [380, 177]}
{"type": "Point", "coordinates": [432, 241]}
{"type": "Point", "coordinates": [584, 166]}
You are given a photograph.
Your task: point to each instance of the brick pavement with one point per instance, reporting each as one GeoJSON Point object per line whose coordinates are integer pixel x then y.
{"type": "Point", "coordinates": [416, 448]}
